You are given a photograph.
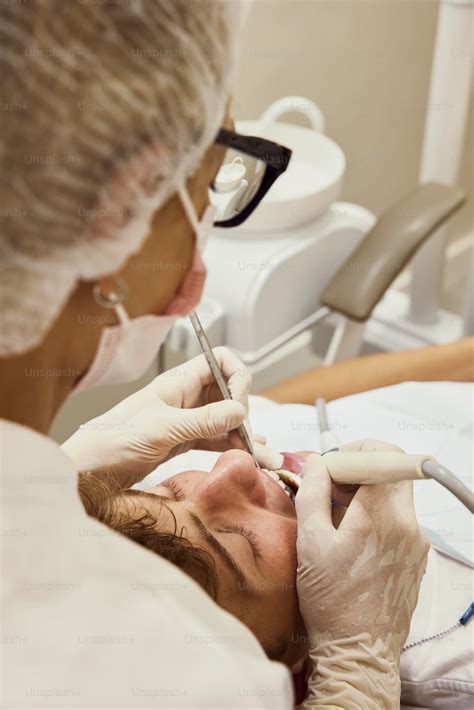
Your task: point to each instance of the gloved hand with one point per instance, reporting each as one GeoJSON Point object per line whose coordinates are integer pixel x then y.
{"type": "Point", "coordinates": [357, 586]}
{"type": "Point", "coordinates": [181, 409]}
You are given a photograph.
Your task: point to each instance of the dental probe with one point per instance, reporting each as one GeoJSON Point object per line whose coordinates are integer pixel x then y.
{"type": "Point", "coordinates": [220, 379]}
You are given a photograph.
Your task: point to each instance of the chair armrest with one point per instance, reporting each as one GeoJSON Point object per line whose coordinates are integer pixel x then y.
{"type": "Point", "coordinates": [363, 278]}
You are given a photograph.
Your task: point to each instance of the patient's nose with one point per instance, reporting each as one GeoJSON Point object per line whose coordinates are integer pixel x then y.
{"type": "Point", "coordinates": [233, 480]}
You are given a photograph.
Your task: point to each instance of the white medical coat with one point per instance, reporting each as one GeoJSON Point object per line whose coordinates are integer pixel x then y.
{"type": "Point", "coordinates": [90, 619]}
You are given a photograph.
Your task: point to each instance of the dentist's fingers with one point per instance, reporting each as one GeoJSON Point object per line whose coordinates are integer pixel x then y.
{"type": "Point", "coordinates": [207, 422]}
{"type": "Point", "coordinates": [239, 379]}
{"type": "Point", "coordinates": [183, 385]}
{"type": "Point", "coordinates": [364, 511]}
{"type": "Point", "coordinates": [387, 508]}
{"type": "Point", "coordinates": [313, 500]}
{"type": "Point", "coordinates": [364, 502]}
{"type": "Point", "coordinates": [266, 457]}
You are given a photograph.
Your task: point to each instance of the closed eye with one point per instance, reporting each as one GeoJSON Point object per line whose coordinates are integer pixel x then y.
{"type": "Point", "coordinates": [174, 488]}
{"type": "Point", "coordinates": [237, 530]}
{"type": "Point", "coordinates": [249, 535]}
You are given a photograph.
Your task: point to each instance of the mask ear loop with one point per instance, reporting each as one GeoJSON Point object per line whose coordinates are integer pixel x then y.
{"type": "Point", "coordinates": [111, 292]}
{"type": "Point", "coordinates": [191, 214]}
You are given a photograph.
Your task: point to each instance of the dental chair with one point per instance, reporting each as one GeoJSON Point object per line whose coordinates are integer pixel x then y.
{"type": "Point", "coordinates": [362, 280]}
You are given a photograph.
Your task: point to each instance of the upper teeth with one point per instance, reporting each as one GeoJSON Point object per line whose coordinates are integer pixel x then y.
{"type": "Point", "coordinates": [275, 476]}
{"type": "Point", "coordinates": [272, 474]}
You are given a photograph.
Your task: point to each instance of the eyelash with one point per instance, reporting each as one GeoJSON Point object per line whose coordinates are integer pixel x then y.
{"type": "Point", "coordinates": [251, 537]}
{"type": "Point", "coordinates": [174, 488]}
{"type": "Point", "coordinates": [238, 529]}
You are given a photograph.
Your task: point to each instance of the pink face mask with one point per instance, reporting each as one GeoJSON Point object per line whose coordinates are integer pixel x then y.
{"type": "Point", "coordinates": [126, 350]}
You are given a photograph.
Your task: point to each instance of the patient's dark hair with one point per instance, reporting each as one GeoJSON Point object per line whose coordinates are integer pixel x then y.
{"type": "Point", "coordinates": [104, 500]}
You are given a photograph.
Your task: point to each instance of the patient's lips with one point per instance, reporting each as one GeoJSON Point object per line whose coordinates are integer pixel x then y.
{"type": "Point", "coordinates": [292, 462]}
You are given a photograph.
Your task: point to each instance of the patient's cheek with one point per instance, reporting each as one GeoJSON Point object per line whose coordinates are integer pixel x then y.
{"type": "Point", "coordinates": [281, 556]}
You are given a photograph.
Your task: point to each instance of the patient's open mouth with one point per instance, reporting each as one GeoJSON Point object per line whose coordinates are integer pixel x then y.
{"type": "Point", "coordinates": [288, 481]}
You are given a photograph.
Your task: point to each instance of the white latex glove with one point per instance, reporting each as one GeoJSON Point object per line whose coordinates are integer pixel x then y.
{"type": "Point", "coordinates": [357, 586]}
{"type": "Point", "coordinates": [179, 410]}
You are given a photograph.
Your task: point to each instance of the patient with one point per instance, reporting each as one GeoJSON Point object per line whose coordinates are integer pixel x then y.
{"type": "Point", "coordinates": [233, 530]}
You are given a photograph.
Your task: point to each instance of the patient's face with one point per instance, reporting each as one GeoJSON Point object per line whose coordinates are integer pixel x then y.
{"type": "Point", "coordinates": [248, 524]}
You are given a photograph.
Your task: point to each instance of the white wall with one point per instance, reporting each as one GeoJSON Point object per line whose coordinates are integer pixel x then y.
{"type": "Point", "coordinates": [367, 64]}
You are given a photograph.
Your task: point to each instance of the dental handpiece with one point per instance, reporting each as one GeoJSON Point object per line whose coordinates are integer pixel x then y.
{"type": "Point", "coordinates": [220, 379]}
{"type": "Point", "coordinates": [381, 467]}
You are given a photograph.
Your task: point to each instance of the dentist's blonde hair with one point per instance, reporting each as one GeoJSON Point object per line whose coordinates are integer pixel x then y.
{"type": "Point", "coordinates": [107, 107]}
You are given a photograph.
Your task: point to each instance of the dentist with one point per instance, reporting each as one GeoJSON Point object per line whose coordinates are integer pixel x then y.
{"type": "Point", "coordinates": [110, 115]}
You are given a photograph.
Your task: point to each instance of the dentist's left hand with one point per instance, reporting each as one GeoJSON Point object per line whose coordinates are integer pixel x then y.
{"type": "Point", "coordinates": [179, 410]}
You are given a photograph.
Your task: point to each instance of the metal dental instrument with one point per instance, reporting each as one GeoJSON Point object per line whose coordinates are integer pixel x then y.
{"type": "Point", "coordinates": [220, 379]}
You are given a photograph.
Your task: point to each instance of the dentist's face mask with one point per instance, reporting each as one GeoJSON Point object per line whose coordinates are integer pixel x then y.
{"type": "Point", "coordinates": [126, 350]}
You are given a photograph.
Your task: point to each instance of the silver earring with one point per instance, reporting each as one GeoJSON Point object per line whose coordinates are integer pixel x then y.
{"type": "Point", "coordinates": [114, 296]}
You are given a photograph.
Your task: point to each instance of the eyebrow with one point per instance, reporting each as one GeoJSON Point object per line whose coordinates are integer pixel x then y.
{"type": "Point", "coordinates": [223, 553]}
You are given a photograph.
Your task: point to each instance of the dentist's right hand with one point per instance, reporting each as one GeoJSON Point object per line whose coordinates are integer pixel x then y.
{"type": "Point", "coordinates": [357, 587]}
{"type": "Point", "coordinates": [180, 409]}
